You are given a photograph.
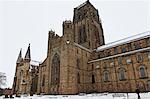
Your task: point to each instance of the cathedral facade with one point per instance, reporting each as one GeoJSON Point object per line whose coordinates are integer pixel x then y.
{"type": "Point", "coordinates": [80, 62]}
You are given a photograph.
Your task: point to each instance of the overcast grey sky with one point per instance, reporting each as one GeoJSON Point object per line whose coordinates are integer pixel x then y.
{"type": "Point", "coordinates": [28, 21]}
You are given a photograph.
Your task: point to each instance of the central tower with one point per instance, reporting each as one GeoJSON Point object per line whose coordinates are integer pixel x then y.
{"type": "Point", "coordinates": [88, 30]}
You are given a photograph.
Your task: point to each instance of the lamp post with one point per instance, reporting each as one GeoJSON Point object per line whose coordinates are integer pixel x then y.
{"type": "Point", "coordinates": [138, 93]}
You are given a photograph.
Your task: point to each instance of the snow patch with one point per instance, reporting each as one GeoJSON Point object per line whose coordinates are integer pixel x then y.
{"type": "Point", "coordinates": [123, 41]}
{"type": "Point", "coordinates": [88, 96]}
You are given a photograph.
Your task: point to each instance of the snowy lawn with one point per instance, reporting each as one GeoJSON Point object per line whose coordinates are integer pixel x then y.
{"type": "Point", "coordinates": [88, 96]}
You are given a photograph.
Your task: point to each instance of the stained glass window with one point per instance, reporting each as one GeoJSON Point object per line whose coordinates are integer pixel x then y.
{"type": "Point", "coordinates": [55, 70]}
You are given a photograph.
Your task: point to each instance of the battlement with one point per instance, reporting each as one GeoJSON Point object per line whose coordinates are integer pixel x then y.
{"type": "Point", "coordinates": [53, 35]}
{"type": "Point", "coordinates": [67, 25]}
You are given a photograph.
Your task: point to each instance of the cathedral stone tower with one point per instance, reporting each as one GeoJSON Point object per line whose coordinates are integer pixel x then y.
{"type": "Point", "coordinates": [64, 71]}
{"type": "Point", "coordinates": [88, 30]}
{"type": "Point", "coordinates": [80, 62]}
{"type": "Point", "coordinates": [26, 75]}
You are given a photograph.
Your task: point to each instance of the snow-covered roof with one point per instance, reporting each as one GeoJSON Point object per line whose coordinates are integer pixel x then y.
{"type": "Point", "coordinates": [82, 47]}
{"type": "Point", "coordinates": [122, 54]}
{"type": "Point", "coordinates": [123, 41]}
{"type": "Point", "coordinates": [34, 63]}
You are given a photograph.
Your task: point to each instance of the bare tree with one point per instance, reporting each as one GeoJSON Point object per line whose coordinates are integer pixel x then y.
{"type": "Point", "coordinates": [2, 79]}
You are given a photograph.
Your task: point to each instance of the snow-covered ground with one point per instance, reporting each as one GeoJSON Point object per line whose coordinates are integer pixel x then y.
{"type": "Point", "coordinates": [88, 96]}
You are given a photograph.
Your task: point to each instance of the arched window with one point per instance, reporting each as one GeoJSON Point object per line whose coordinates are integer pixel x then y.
{"type": "Point", "coordinates": [78, 78]}
{"type": "Point", "coordinates": [92, 67]}
{"type": "Point", "coordinates": [82, 34]}
{"type": "Point", "coordinates": [55, 69]}
{"type": "Point", "coordinates": [122, 74]}
{"type": "Point", "coordinates": [115, 50]}
{"type": "Point", "coordinates": [119, 60]}
{"type": "Point", "coordinates": [78, 63]}
{"type": "Point", "coordinates": [148, 85]}
{"type": "Point", "coordinates": [124, 49]}
{"type": "Point", "coordinates": [93, 79]}
{"type": "Point", "coordinates": [43, 80]}
{"type": "Point", "coordinates": [96, 36]}
{"type": "Point", "coordinates": [21, 76]}
{"type": "Point", "coordinates": [139, 57]}
{"type": "Point", "coordinates": [142, 72]}
{"type": "Point", "coordinates": [106, 76]}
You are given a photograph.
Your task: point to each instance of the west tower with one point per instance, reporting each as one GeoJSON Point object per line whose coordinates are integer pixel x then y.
{"type": "Point", "coordinates": [88, 30]}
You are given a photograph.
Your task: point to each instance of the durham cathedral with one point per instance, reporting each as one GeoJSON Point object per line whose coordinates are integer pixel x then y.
{"type": "Point", "coordinates": [79, 61]}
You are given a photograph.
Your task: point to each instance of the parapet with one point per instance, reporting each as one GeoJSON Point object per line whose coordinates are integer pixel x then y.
{"type": "Point", "coordinates": [67, 25]}
{"type": "Point", "coordinates": [53, 35]}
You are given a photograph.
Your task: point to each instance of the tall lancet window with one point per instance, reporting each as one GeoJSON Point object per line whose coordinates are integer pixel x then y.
{"type": "Point", "coordinates": [78, 63]}
{"type": "Point", "coordinates": [142, 72]}
{"type": "Point", "coordinates": [78, 78]}
{"type": "Point", "coordinates": [43, 80]}
{"type": "Point", "coordinates": [21, 76]}
{"type": "Point", "coordinates": [93, 79]}
{"type": "Point", "coordinates": [106, 76]}
{"type": "Point", "coordinates": [55, 69]}
{"type": "Point", "coordinates": [82, 34]}
{"type": "Point", "coordinates": [96, 36]}
{"type": "Point", "coordinates": [122, 74]}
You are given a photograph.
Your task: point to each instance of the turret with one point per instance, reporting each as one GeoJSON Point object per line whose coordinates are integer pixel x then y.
{"type": "Point", "coordinates": [52, 35]}
{"type": "Point", "coordinates": [53, 38]}
{"type": "Point", "coordinates": [27, 55]}
{"type": "Point", "coordinates": [67, 26]}
{"type": "Point", "coordinates": [68, 30]}
{"type": "Point", "coordinates": [19, 57]}
{"type": "Point", "coordinates": [88, 31]}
